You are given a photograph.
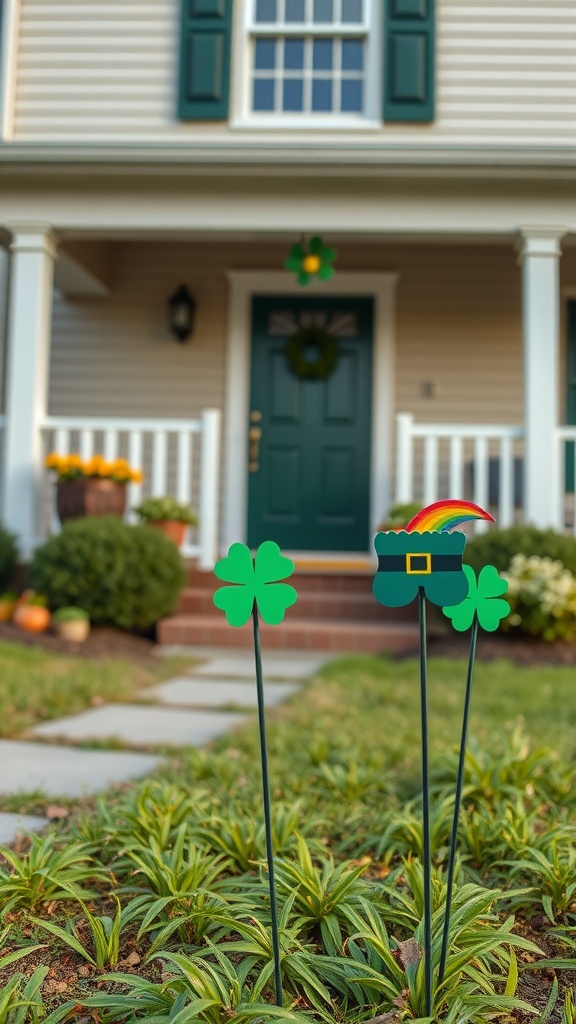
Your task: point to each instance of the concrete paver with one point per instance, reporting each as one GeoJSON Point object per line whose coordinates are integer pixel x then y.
{"type": "Point", "coordinates": [141, 725]}
{"type": "Point", "coordinates": [13, 824]}
{"type": "Point", "coordinates": [214, 692]}
{"type": "Point", "coordinates": [240, 665]}
{"type": "Point", "coordinates": [64, 771]}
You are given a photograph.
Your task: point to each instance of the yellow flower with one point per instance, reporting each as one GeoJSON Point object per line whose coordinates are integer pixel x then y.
{"type": "Point", "coordinates": [52, 461]}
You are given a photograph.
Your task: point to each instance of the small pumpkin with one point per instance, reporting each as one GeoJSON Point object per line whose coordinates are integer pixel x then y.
{"type": "Point", "coordinates": [31, 613]}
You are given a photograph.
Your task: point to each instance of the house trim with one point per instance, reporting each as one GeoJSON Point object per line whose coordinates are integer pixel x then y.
{"type": "Point", "coordinates": [243, 285]}
{"type": "Point", "coordinates": [9, 17]}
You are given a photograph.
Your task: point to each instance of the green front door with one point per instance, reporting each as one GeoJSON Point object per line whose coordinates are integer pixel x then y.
{"type": "Point", "coordinates": [309, 468]}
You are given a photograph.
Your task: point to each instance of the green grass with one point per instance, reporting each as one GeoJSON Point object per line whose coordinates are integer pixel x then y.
{"type": "Point", "coordinates": [36, 685]}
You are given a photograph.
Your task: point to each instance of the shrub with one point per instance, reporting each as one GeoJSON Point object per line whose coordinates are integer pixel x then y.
{"type": "Point", "coordinates": [8, 556]}
{"type": "Point", "coordinates": [70, 614]}
{"type": "Point", "coordinates": [542, 596]}
{"type": "Point", "coordinates": [126, 576]}
{"type": "Point", "coordinates": [400, 515]}
{"type": "Point", "coordinates": [498, 547]}
{"type": "Point", "coordinates": [167, 508]}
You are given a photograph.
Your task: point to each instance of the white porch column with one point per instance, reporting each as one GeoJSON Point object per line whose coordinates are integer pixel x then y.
{"type": "Point", "coordinates": [540, 255]}
{"type": "Point", "coordinates": [33, 252]}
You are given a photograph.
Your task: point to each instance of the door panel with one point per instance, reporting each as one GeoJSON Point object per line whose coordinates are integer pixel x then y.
{"type": "Point", "coordinates": [309, 488]}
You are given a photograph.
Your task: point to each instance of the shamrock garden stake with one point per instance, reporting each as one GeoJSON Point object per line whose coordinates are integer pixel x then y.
{"type": "Point", "coordinates": [425, 561]}
{"type": "Point", "coordinates": [257, 591]}
{"type": "Point", "coordinates": [484, 606]}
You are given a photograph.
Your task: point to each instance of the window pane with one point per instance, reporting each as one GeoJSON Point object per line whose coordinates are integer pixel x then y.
{"type": "Point", "coordinates": [351, 11]}
{"type": "Point", "coordinates": [352, 55]}
{"type": "Point", "coordinates": [265, 54]}
{"type": "Point", "coordinates": [265, 10]}
{"type": "Point", "coordinates": [323, 11]}
{"type": "Point", "coordinates": [322, 51]}
{"type": "Point", "coordinates": [294, 10]}
{"type": "Point", "coordinates": [293, 97]}
{"type": "Point", "coordinates": [294, 54]}
{"type": "Point", "coordinates": [263, 94]}
{"type": "Point", "coordinates": [352, 89]}
{"type": "Point", "coordinates": [321, 94]}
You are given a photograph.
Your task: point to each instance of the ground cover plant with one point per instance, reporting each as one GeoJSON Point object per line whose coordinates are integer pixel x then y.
{"type": "Point", "coordinates": [155, 904]}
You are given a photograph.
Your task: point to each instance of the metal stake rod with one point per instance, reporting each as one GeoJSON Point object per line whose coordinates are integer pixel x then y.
{"type": "Point", "coordinates": [427, 851]}
{"type": "Point", "coordinates": [458, 799]}
{"type": "Point", "coordinates": [267, 812]}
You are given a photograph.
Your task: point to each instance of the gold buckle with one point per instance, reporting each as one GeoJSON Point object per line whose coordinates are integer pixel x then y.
{"type": "Point", "coordinates": [419, 572]}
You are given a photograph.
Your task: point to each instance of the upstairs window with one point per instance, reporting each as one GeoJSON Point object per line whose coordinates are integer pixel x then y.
{"type": "Point", "coordinates": [310, 58]}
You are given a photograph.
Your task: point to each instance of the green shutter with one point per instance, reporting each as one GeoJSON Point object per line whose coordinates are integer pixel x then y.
{"type": "Point", "coordinates": [409, 60]}
{"type": "Point", "coordinates": [205, 59]}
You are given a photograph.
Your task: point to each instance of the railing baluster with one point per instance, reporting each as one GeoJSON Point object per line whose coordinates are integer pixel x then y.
{"type": "Point", "coordinates": [159, 463]}
{"type": "Point", "coordinates": [404, 458]}
{"type": "Point", "coordinates": [135, 459]}
{"type": "Point", "coordinates": [86, 443]}
{"type": "Point", "coordinates": [430, 470]}
{"type": "Point", "coordinates": [62, 441]}
{"type": "Point", "coordinates": [209, 476]}
{"type": "Point", "coordinates": [506, 480]}
{"type": "Point", "coordinates": [456, 467]}
{"type": "Point", "coordinates": [183, 485]}
{"type": "Point", "coordinates": [481, 478]}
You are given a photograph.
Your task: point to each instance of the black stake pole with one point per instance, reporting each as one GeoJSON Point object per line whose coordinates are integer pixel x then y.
{"type": "Point", "coordinates": [426, 851]}
{"type": "Point", "coordinates": [267, 812]}
{"type": "Point", "coordinates": [458, 800]}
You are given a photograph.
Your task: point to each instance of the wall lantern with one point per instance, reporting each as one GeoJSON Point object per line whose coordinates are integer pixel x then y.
{"type": "Point", "coordinates": [181, 313]}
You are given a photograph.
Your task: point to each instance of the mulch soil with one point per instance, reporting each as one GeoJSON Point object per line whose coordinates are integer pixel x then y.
{"type": "Point", "coordinates": [491, 646]}
{"type": "Point", "coordinates": [101, 643]}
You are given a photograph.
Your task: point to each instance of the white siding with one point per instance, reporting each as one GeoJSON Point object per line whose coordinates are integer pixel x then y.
{"type": "Point", "coordinates": [506, 73]}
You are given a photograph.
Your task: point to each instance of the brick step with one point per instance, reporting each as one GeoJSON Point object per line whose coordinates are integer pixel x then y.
{"type": "Point", "coordinates": [322, 582]}
{"type": "Point", "coordinates": [294, 633]}
{"type": "Point", "coordinates": [344, 606]}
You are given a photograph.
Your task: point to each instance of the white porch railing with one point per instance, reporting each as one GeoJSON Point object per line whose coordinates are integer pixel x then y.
{"type": "Point", "coordinates": [179, 457]}
{"type": "Point", "coordinates": [436, 461]}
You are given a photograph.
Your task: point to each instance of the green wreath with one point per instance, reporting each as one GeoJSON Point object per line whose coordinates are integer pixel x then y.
{"type": "Point", "coordinates": [312, 337]}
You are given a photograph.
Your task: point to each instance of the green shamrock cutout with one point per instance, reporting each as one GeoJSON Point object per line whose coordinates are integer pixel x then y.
{"type": "Point", "coordinates": [484, 600]}
{"type": "Point", "coordinates": [256, 580]}
{"type": "Point", "coordinates": [313, 261]}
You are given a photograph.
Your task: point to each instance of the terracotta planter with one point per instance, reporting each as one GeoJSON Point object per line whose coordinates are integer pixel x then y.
{"type": "Point", "coordinates": [7, 609]}
{"type": "Point", "coordinates": [173, 529]}
{"type": "Point", "coordinates": [75, 631]}
{"type": "Point", "coordinates": [90, 497]}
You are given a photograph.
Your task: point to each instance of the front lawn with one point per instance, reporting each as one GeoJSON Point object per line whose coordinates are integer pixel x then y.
{"type": "Point", "coordinates": [152, 903]}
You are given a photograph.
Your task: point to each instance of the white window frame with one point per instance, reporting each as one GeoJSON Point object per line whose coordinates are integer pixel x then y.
{"type": "Point", "coordinates": [241, 114]}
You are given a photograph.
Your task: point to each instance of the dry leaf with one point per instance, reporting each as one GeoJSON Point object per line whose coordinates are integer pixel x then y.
{"type": "Point", "coordinates": [409, 953]}
{"type": "Point", "coordinates": [132, 960]}
{"type": "Point", "coordinates": [53, 811]}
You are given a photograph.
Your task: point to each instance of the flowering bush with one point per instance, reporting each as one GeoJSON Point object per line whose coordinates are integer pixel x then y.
{"type": "Point", "coordinates": [542, 596]}
{"type": "Point", "coordinates": [73, 467]}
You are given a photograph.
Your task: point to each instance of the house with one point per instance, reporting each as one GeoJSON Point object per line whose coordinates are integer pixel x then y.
{"type": "Point", "coordinates": [152, 144]}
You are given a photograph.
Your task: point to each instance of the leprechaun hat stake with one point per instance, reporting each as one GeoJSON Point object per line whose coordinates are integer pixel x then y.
{"type": "Point", "coordinates": [257, 592]}
{"type": "Point", "coordinates": [425, 561]}
{"type": "Point", "coordinates": [483, 606]}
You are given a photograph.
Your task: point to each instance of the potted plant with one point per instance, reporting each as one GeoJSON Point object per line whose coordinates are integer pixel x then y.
{"type": "Point", "coordinates": [90, 487]}
{"type": "Point", "coordinates": [71, 624]}
{"type": "Point", "coordinates": [31, 612]}
{"type": "Point", "coordinates": [8, 602]}
{"type": "Point", "coordinates": [399, 515]}
{"type": "Point", "coordinates": [170, 516]}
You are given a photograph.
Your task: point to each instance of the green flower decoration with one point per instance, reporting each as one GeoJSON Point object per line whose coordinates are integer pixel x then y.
{"type": "Point", "coordinates": [484, 600]}
{"type": "Point", "coordinates": [314, 261]}
{"type": "Point", "coordinates": [410, 561]}
{"type": "Point", "coordinates": [256, 580]}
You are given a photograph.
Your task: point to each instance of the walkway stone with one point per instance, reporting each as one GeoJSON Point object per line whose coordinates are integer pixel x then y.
{"type": "Point", "coordinates": [64, 771]}
{"type": "Point", "coordinates": [240, 665]}
{"type": "Point", "coordinates": [13, 824]}
{"type": "Point", "coordinates": [219, 693]}
{"type": "Point", "coordinates": [141, 725]}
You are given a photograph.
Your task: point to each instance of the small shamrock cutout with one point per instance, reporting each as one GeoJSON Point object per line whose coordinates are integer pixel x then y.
{"type": "Point", "coordinates": [484, 600]}
{"type": "Point", "coordinates": [315, 260]}
{"type": "Point", "coordinates": [256, 580]}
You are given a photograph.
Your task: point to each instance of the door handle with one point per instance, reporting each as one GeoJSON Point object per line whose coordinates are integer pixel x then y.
{"type": "Point", "coordinates": [254, 435]}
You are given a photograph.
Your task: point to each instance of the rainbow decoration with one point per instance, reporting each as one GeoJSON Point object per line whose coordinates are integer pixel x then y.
{"type": "Point", "coordinates": [445, 515]}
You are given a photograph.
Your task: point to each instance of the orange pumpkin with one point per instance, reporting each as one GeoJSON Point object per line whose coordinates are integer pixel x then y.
{"type": "Point", "coordinates": [32, 617]}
